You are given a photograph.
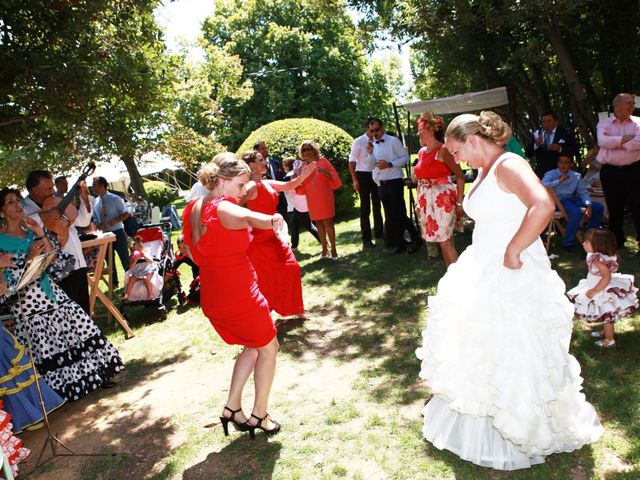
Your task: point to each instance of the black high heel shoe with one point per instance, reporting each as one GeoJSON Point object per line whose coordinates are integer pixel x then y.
{"type": "Point", "coordinates": [240, 427]}
{"type": "Point", "coordinates": [252, 428]}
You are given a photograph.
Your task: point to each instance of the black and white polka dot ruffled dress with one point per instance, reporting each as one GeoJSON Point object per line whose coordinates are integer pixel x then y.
{"type": "Point", "coordinates": [68, 347]}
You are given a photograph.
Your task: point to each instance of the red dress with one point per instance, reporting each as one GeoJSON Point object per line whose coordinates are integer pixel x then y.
{"type": "Point", "coordinates": [319, 191]}
{"type": "Point", "coordinates": [229, 293]}
{"type": "Point", "coordinates": [276, 265]}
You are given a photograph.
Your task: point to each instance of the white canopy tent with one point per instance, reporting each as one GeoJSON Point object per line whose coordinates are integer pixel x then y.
{"type": "Point", "coordinates": [115, 171]}
{"type": "Point", "coordinates": [465, 102]}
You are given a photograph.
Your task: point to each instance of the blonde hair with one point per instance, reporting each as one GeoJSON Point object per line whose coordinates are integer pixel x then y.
{"type": "Point", "coordinates": [487, 125]}
{"type": "Point", "coordinates": [308, 143]}
{"type": "Point", "coordinates": [223, 165]}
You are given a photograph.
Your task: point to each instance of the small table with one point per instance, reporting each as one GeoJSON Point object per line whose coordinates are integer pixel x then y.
{"type": "Point", "coordinates": [105, 244]}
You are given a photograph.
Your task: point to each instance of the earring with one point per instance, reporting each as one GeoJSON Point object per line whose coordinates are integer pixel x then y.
{"type": "Point", "coordinates": [3, 222]}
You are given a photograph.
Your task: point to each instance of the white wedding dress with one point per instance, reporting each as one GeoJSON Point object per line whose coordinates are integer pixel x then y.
{"type": "Point", "coordinates": [495, 351]}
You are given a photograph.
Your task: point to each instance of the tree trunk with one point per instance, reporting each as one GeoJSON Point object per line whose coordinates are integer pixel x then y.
{"type": "Point", "coordinates": [576, 88]}
{"type": "Point", "coordinates": [136, 179]}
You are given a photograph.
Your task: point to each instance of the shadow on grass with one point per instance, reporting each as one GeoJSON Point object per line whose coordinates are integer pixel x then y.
{"type": "Point", "coordinates": [376, 305]}
{"type": "Point", "coordinates": [241, 459]}
{"type": "Point", "coordinates": [96, 425]}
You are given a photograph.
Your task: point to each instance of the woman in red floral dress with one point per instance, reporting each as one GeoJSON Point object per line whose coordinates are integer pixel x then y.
{"type": "Point", "coordinates": [439, 199]}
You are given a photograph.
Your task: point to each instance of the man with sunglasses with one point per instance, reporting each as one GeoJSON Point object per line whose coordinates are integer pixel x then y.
{"type": "Point", "coordinates": [390, 156]}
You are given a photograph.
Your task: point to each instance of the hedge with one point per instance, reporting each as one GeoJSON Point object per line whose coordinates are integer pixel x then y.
{"type": "Point", "coordinates": [158, 193]}
{"type": "Point", "coordinates": [283, 138]}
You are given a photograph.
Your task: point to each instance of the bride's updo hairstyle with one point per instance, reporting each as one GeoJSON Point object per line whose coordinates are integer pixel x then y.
{"type": "Point", "coordinates": [487, 125]}
{"type": "Point", "coordinates": [223, 165]}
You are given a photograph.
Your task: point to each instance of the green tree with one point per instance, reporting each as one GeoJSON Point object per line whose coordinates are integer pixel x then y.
{"type": "Point", "coordinates": [569, 56]}
{"type": "Point", "coordinates": [79, 79]}
{"type": "Point", "coordinates": [304, 60]}
{"type": "Point", "coordinates": [197, 118]}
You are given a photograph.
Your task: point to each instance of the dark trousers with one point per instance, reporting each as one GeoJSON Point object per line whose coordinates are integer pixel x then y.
{"type": "Point", "coordinates": [621, 186]}
{"type": "Point", "coordinates": [395, 212]}
{"type": "Point", "coordinates": [195, 270]}
{"type": "Point", "coordinates": [121, 246]}
{"type": "Point", "coordinates": [301, 219]}
{"type": "Point", "coordinates": [77, 288]}
{"type": "Point", "coordinates": [369, 200]}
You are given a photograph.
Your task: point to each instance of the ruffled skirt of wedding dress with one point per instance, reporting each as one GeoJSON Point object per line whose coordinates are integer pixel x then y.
{"type": "Point", "coordinates": [495, 354]}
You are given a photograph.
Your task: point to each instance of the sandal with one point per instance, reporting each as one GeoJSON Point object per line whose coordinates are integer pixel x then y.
{"type": "Point", "coordinates": [604, 343]}
{"type": "Point", "coordinates": [252, 428]}
{"type": "Point", "coordinates": [240, 427]}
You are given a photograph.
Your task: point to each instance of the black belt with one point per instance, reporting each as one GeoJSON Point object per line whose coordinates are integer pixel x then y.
{"type": "Point", "coordinates": [384, 182]}
{"type": "Point", "coordinates": [622, 167]}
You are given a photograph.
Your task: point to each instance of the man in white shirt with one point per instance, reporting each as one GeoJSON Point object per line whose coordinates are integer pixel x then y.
{"type": "Point", "coordinates": [390, 156]}
{"type": "Point", "coordinates": [40, 187]}
{"type": "Point", "coordinates": [361, 165]}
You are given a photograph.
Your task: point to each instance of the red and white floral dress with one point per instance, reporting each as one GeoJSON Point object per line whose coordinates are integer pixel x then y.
{"type": "Point", "coordinates": [437, 196]}
{"type": "Point", "coordinates": [616, 300]}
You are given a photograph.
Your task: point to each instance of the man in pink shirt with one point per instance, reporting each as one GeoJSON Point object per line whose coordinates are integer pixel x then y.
{"type": "Point", "coordinates": [619, 141]}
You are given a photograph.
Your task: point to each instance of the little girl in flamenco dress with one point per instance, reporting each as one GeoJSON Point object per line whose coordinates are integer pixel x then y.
{"type": "Point", "coordinates": [604, 296]}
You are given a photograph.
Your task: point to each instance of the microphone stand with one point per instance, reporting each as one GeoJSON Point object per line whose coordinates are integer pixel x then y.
{"type": "Point", "coordinates": [31, 272]}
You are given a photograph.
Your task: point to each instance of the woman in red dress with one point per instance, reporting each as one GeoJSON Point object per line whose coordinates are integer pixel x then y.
{"type": "Point", "coordinates": [439, 202]}
{"type": "Point", "coordinates": [216, 229]}
{"type": "Point", "coordinates": [275, 264]}
{"type": "Point", "coordinates": [318, 188]}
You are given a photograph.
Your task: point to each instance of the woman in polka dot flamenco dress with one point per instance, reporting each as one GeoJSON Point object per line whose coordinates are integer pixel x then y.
{"type": "Point", "coordinates": [68, 347]}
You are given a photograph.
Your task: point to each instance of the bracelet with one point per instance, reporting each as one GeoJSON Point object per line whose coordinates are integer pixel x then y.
{"type": "Point", "coordinates": [35, 239]}
{"type": "Point", "coordinates": [458, 204]}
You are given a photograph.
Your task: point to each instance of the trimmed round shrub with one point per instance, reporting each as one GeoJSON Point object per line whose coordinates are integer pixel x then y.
{"type": "Point", "coordinates": [283, 138]}
{"type": "Point", "coordinates": [158, 193]}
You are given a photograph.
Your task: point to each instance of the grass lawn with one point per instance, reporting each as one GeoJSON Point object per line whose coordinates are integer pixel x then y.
{"type": "Point", "coordinates": [346, 388]}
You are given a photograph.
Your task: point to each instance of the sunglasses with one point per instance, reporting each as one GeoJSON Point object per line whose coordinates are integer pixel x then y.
{"type": "Point", "coordinates": [307, 149]}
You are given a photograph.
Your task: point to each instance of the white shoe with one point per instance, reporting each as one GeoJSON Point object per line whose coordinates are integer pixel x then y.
{"type": "Point", "coordinates": [604, 343]}
{"type": "Point", "coordinates": [596, 334]}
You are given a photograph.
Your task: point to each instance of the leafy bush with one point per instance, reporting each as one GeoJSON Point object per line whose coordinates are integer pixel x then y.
{"type": "Point", "coordinates": [158, 193]}
{"type": "Point", "coordinates": [285, 136]}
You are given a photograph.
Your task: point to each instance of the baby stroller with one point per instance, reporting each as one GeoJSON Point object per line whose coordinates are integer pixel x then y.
{"type": "Point", "coordinates": [156, 239]}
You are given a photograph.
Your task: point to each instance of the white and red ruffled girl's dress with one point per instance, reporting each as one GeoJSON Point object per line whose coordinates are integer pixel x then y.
{"type": "Point", "coordinates": [617, 300]}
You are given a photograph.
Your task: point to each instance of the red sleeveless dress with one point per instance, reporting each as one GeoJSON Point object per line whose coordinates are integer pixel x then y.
{"type": "Point", "coordinates": [229, 293]}
{"type": "Point", "coordinates": [276, 265]}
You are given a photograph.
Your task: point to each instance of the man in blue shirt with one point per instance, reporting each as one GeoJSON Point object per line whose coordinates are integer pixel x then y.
{"type": "Point", "coordinates": [572, 193]}
{"type": "Point", "coordinates": [109, 213]}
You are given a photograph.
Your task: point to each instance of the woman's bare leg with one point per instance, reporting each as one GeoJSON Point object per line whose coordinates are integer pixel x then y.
{"type": "Point", "coordinates": [322, 232]}
{"type": "Point", "coordinates": [265, 369]}
{"type": "Point", "coordinates": [242, 369]}
{"type": "Point", "coordinates": [449, 253]}
{"type": "Point", "coordinates": [331, 232]}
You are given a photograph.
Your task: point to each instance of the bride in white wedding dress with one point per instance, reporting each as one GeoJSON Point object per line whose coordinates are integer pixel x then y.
{"type": "Point", "coordinates": [506, 391]}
